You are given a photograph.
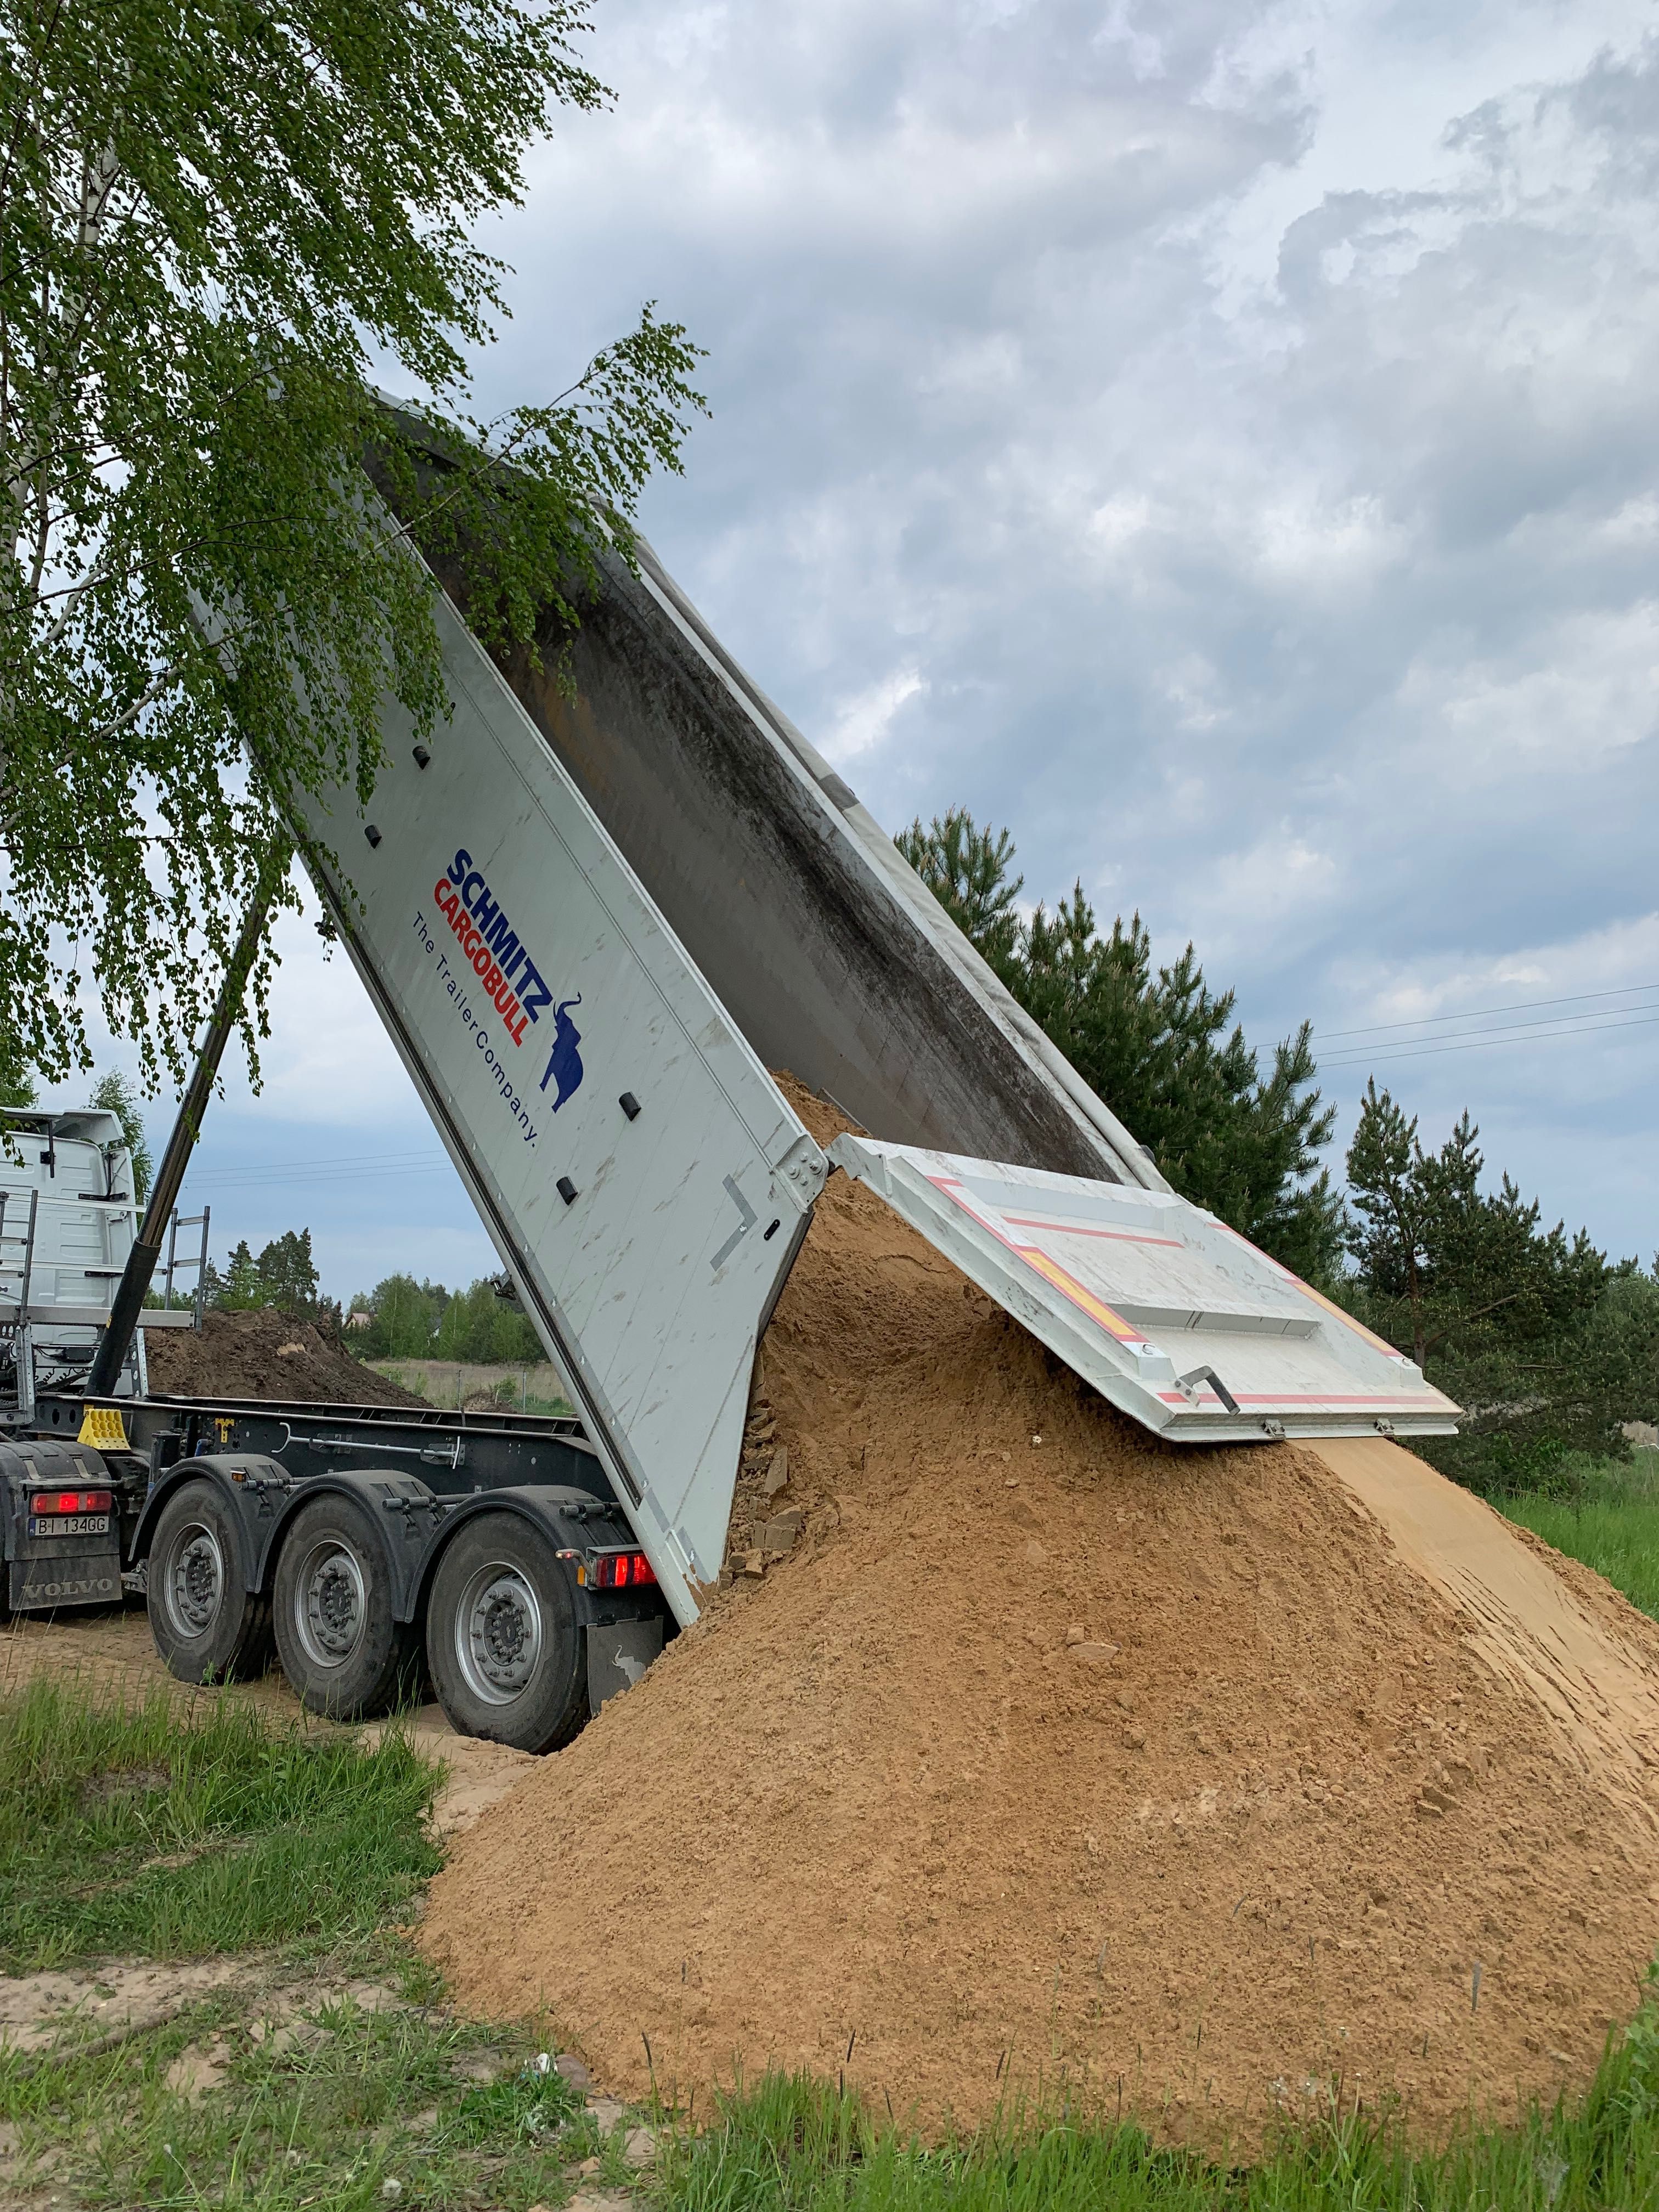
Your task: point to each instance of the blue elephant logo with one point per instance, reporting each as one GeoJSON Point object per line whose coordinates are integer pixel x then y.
{"type": "Point", "coordinates": [564, 1061]}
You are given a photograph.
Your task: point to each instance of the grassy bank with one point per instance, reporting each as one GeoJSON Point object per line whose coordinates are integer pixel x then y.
{"type": "Point", "coordinates": [1609, 1518]}
{"type": "Point", "coordinates": [799, 2146]}
{"type": "Point", "coordinates": [286, 2048]}
{"type": "Point", "coordinates": [130, 1828]}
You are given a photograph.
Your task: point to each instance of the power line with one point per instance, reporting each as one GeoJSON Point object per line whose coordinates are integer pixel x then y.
{"type": "Point", "coordinates": [1551, 1025]}
{"type": "Point", "coordinates": [1481, 1013]}
{"type": "Point", "coordinates": [1526, 1034]}
{"type": "Point", "coordinates": [374, 1164]}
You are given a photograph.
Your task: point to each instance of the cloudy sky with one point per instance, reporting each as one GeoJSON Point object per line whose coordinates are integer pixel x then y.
{"type": "Point", "coordinates": [1220, 442]}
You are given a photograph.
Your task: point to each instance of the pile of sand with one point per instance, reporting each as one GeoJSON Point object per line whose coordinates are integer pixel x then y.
{"type": "Point", "coordinates": [1210, 1779]}
{"type": "Point", "coordinates": [264, 1354]}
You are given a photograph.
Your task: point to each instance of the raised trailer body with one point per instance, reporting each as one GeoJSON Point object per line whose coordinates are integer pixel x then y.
{"type": "Point", "coordinates": [589, 922]}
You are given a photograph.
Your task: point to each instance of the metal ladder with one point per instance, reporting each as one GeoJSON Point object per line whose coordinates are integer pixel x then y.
{"type": "Point", "coordinates": [198, 1261]}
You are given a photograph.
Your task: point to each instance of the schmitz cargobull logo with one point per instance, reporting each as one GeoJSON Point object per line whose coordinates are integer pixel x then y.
{"type": "Point", "coordinates": [509, 976]}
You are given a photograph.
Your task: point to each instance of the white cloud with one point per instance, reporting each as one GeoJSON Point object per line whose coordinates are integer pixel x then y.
{"type": "Point", "coordinates": [866, 720]}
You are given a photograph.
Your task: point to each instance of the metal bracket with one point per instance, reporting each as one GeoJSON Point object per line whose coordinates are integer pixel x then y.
{"type": "Point", "coordinates": [1187, 1386]}
{"type": "Point", "coordinates": [750, 1218]}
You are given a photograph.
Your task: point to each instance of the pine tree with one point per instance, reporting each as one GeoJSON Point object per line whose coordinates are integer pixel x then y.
{"type": "Point", "coordinates": [1502, 1314]}
{"type": "Point", "coordinates": [239, 1289]}
{"type": "Point", "coordinates": [966, 869]}
{"type": "Point", "coordinates": [288, 1274]}
{"type": "Point", "coordinates": [1157, 1046]}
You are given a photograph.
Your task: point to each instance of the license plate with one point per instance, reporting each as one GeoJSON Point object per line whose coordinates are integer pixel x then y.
{"type": "Point", "coordinates": [71, 1524]}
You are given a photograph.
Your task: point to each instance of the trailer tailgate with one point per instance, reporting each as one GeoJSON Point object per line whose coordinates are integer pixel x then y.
{"type": "Point", "coordinates": [1170, 1314]}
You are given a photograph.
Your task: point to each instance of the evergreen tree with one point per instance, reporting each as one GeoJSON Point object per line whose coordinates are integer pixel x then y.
{"type": "Point", "coordinates": [1157, 1046]}
{"type": "Point", "coordinates": [239, 1289]}
{"type": "Point", "coordinates": [288, 1274]}
{"type": "Point", "coordinates": [1547, 1348]}
{"type": "Point", "coordinates": [966, 869]}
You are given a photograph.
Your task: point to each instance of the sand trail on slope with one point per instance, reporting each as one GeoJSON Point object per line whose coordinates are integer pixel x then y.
{"type": "Point", "coordinates": [1552, 1628]}
{"type": "Point", "coordinates": [1203, 1779]}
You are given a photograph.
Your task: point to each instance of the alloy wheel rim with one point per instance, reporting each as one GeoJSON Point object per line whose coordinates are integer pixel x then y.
{"type": "Point", "coordinates": [498, 1633]}
{"type": "Point", "coordinates": [330, 1603]}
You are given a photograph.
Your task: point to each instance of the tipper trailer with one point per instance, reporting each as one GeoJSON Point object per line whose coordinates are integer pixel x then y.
{"type": "Point", "coordinates": [590, 918]}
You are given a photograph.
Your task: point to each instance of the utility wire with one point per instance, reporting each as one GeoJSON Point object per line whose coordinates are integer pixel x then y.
{"type": "Point", "coordinates": [330, 1170]}
{"type": "Point", "coordinates": [1521, 1034]}
{"type": "Point", "coordinates": [1480, 1013]}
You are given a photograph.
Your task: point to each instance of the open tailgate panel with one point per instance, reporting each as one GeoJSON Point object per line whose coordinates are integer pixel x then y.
{"type": "Point", "coordinates": [1170, 1314]}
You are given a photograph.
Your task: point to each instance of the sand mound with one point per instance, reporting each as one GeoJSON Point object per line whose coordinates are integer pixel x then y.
{"type": "Point", "coordinates": [1216, 1775]}
{"type": "Point", "coordinates": [264, 1354]}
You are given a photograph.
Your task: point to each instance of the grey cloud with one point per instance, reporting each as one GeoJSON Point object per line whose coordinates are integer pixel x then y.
{"type": "Point", "coordinates": [1310, 618]}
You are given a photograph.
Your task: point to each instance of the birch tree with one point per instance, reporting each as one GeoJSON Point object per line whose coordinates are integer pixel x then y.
{"type": "Point", "coordinates": [222, 224]}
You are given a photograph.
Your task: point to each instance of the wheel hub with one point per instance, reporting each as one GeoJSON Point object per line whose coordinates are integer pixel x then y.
{"type": "Point", "coordinates": [498, 1633]}
{"type": "Point", "coordinates": [195, 1586]}
{"type": "Point", "coordinates": [329, 1603]}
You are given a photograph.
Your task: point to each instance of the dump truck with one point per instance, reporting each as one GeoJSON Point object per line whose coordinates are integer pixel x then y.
{"type": "Point", "coordinates": [591, 913]}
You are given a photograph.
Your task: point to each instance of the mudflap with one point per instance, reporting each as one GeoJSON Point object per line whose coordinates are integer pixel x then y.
{"type": "Point", "coordinates": [618, 1656]}
{"type": "Point", "coordinates": [41, 1585]}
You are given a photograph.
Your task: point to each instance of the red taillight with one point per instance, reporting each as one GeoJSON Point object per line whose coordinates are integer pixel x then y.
{"type": "Point", "coordinates": [623, 1571]}
{"type": "Point", "coordinates": [69, 1501]}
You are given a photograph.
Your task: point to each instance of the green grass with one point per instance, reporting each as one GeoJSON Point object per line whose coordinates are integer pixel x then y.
{"type": "Point", "coordinates": [1609, 1519]}
{"type": "Point", "coordinates": [795, 2145]}
{"type": "Point", "coordinates": [357, 2099]}
{"type": "Point", "coordinates": [168, 1832]}
{"type": "Point", "coordinates": [131, 1828]}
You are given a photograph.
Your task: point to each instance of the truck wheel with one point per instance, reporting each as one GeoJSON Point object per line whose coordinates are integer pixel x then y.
{"type": "Point", "coordinates": [207, 1624]}
{"type": "Point", "coordinates": [507, 1657]}
{"type": "Point", "coordinates": [338, 1643]}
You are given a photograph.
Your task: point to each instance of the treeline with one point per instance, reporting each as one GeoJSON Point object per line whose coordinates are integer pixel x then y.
{"type": "Point", "coordinates": [1549, 1347]}
{"type": "Point", "coordinates": [398, 1319]}
{"type": "Point", "coordinates": [284, 1275]}
{"type": "Point", "coordinates": [407, 1320]}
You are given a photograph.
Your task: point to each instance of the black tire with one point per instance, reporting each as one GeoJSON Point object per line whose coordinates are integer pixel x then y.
{"type": "Point", "coordinates": [507, 1660]}
{"type": "Point", "coordinates": [336, 1636]}
{"type": "Point", "coordinates": [207, 1624]}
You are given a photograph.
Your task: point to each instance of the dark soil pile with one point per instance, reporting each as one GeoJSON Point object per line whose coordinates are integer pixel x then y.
{"type": "Point", "coordinates": [1027, 1749]}
{"type": "Point", "coordinates": [264, 1354]}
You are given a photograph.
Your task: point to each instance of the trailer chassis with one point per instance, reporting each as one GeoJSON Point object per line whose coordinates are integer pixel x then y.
{"type": "Point", "coordinates": [371, 1549]}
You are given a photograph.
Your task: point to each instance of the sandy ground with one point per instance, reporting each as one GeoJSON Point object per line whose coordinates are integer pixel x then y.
{"type": "Point", "coordinates": [113, 1649]}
